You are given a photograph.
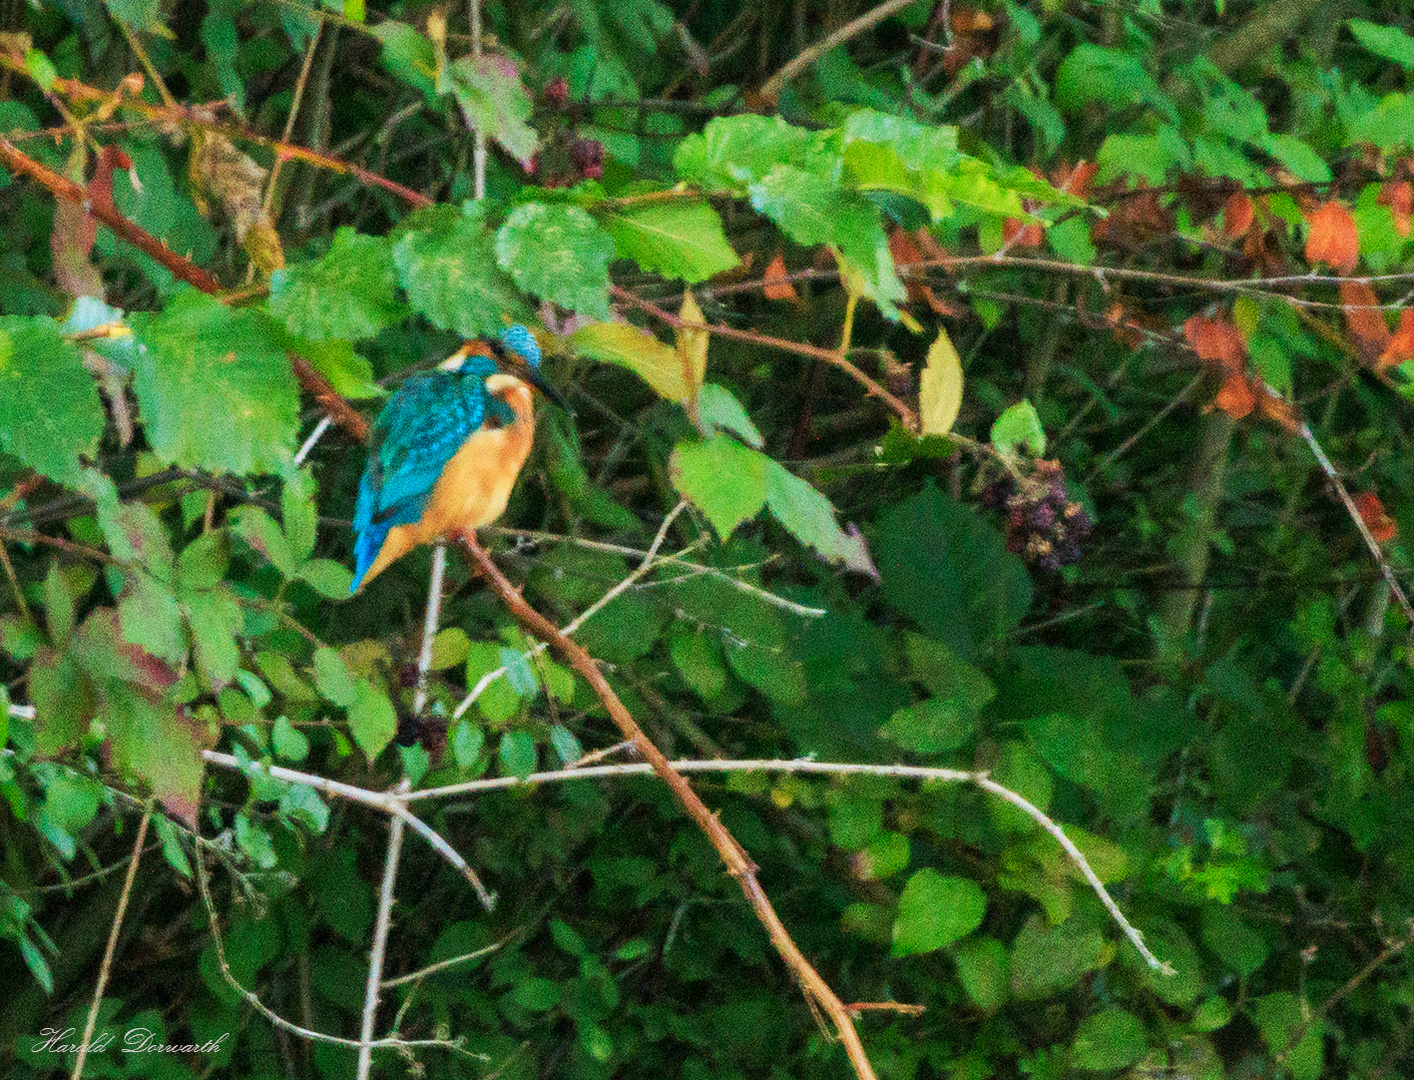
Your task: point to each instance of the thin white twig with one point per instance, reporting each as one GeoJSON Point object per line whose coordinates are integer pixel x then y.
{"type": "Point", "coordinates": [253, 1000]}
{"type": "Point", "coordinates": [649, 559]}
{"type": "Point", "coordinates": [387, 802]}
{"type": "Point", "coordinates": [918, 772]}
{"type": "Point", "coordinates": [441, 965]}
{"type": "Point", "coordinates": [478, 137]}
{"type": "Point", "coordinates": [429, 624]}
{"type": "Point", "coordinates": [620, 549]}
{"type": "Point", "coordinates": [1350, 508]}
{"type": "Point", "coordinates": [378, 950]}
{"type": "Point", "coordinates": [24, 712]}
{"type": "Point", "coordinates": [314, 436]}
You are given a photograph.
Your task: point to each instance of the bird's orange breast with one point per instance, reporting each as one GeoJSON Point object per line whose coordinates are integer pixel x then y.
{"type": "Point", "coordinates": [476, 484]}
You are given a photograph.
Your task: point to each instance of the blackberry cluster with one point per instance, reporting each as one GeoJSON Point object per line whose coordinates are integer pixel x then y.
{"type": "Point", "coordinates": [1043, 525]}
{"type": "Point", "coordinates": [564, 159]}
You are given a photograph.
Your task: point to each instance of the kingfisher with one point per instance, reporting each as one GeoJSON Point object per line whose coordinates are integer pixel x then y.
{"type": "Point", "coordinates": [445, 451]}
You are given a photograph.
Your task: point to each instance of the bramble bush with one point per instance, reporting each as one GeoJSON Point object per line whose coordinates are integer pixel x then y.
{"type": "Point", "coordinates": [1015, 389]}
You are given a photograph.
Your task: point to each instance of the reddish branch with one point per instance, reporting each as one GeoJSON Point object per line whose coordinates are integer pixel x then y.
{"type": "Point", "coordinates": [738, 864]}
{"type": "Point", "coordinates": [64, 188]}
{"type": "Point", "coordinates": [830, 356]}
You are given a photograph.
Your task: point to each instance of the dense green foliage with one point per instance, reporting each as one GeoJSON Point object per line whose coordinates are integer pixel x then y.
{"type": "Point", "coordinates": [992, 460]}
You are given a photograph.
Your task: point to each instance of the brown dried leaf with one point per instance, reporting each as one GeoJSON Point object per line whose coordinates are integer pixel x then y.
{"type": "Point", "coordinates": [1238, 214]}
{"type": "Point", "coordinates": [1401, 343]}
{"type": "Point", "coordinates": [1235, 397]}
{"type": "Point", "coordinates": [1377, 520]}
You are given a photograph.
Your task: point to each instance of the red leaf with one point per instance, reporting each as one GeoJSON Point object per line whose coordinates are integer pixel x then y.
{"type": "Point", "coordinates": [1399, 197]}
{"type": "Point", "coordinates": [1334, 238]}
{"type": "Point", "coordinates": [1238, 214]}
{"type": "Point", "coordinates": [1216, 339]}
{"type": "Point", "coordinates": [1366, 322]}
{"type": "Point", "coordinates": [1014, 232]}
{"type": "Point", "coordinates": [1372, 512]}
{"type": "Point", "coordinates": [1236, 397]}
{"type": "Point", "coordinates": [1401, 343]}
{"type": "Point", "coordinates": [777, 282]}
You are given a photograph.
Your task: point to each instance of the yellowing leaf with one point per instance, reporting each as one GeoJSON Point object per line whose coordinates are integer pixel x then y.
{"type": "Point", "coordinates": [940, 387]}
{"type": "Point", "coordinates": [692, 344]}
{"type": "Point", "coordinates": [646, 356]}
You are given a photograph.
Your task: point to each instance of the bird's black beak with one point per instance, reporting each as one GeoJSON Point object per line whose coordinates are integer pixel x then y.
{"type": "Point", "coordinates": [515, 364]}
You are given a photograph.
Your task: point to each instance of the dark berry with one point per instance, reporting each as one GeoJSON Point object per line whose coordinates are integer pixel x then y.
{"type": "Point", "coordinates": [1043, 516]}
{"type": "Point", "coordinates": [407, 675]}
{"type": "Point", "coordinates": [592, 172]}
{"type": "Point", "coordinates": [587, 153]}
{"type": "Point", "coordinates": [557, 92]}
{"type": "Point", "coordinates": [1015, 541]}
{"type": "Point", "coordinates": [1068, 552]}
{"type": "Point", "coordinates": [1077, 521]}
{"type": "Point", "coordinates": [1049, 561]}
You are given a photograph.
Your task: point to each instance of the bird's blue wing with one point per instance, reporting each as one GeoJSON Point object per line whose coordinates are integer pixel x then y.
{"type": "Point", "coordinates": [420, 429]}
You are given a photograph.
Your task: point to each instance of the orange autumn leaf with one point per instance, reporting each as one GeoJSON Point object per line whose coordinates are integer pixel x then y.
{"type": "Point", "coordinates": [1365, 320]}
{"type": "Point", "coordinates": [1216, 339]}
{"type": "Point", "coordinates": [1278, 410]}
{"type": "Point", "coordinates": [777, 282]}
{"type": "Point", "coordinates": [1401, 342]}
{"type": "Point", "coordinates": [908, 251]}
{"type": "Point", "coordinates": [1019, 235]}
{"type": "Point", "coordinates": [969, 21]}
{"type": "Point", "coordinates": [1235, 397]}
{"type": "Point", "coordinates": [1372, 512]}
{"type": "Point", "coordinates": [1334, 238]}
{"type": "Point", "coordinates": [1238, 214]}
{"type": "Point", "coordinates": [1398, 195]}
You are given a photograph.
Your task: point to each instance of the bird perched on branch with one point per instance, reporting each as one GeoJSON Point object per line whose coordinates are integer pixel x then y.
{"type": "Point", "coordinates": [445, 451]}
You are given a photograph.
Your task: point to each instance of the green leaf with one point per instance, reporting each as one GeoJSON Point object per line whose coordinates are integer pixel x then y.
{"type": "Point", "coordinates": [618, 343]}
{"type": "Point", "coordinates": [810, 518]}
{"type": "Point", "coordinates": [289, 742]}
{"type": "Point", "coordinates": [697, 655]}
{"type": "Point", "coordinates": [218, 35]}
{"type": "Point", "coordinates": [948, 569]}
{"type": "Point", "coordinates": [934, 911]}
{"type": "Point", "coordinates": [467, 742]}
{"type": "Point", "coordinates": [723, 479]}
{"type": "Point", "coordinates": [298, 514]}
{"type": "Point", "coordinates": [1045, 961]}
{"type": "Point", "coordinates": [49, 408]}
{"type": "Point", "coordinates": [58, 605]}
{"type": "Point", "coordinates": [982, 970]}
{"type": "Point", "coordinates": [348, 372]}
{"type": "Point", "coordinates": [447, 263]}
{"type": "Point", "coordinates": [41, 69]}
{"type": "Point", "coordinates": [215, 620]}
{"type": "Point", "coordinates": [1388, 41]}
{"type": "Point", "coordinates": [491, 95]}
{"type": "Point", "coordinates": [1018, 431]}
{"type": "Point", "coordinates": [449, 648]}
{"type": "Point", "coordinates": [944, 721]}
{"type": "Point", "coordinates": [719, 410]}
{"type": "Point", "coordinates": [1297, 156]}
{"type": "Point", "coordinates": [1093, 74]}
{"type": "Point", "coordinates": [407, 54]}
{"type": "Point", "coordinates": [559, 253]}
{"type": "Point", "coordinates": [372, 719]}
{"type": "Point", "coordinates": [1236, 944]}
{"type": "Point", "coordinates": [151, 618]}
{"type": "Point", "coordinates": [812, 210]}
{"type": "Point", "coordinates": [518, 753]}
{"type": "Point", "coordinates": [215, 387]}
{"type": "Point", "coordinates": [347, 293]}
{"type": "Point", "coordinates": [565, 744]}
{"type": "Point", "coordinates": [1282, 1015]}
{"type": "Point", "coordinates": [332, 677]}
{"type": "Point", "coordinates": [328, 578]}
{"type": "Point", "coordinates": [678, 239]}
{"type": "Point", "coordinates": [1110, 1039]}
{"type": "Point", "coordinates": [733, 151]}
{"type": "Point", "coordinates": [260, 532]}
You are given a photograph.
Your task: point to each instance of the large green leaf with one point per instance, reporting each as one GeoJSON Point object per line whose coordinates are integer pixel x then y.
{"type": "Point", "coordinates": [1110, 1039]}
{"type": "Point", "coordinates": [734, 151]}
{"type": "Point", "coordinates": [558, 253]}
{"type": "Point", "coordinates": [813, 210]}
{"type": "Point", "coordinates": [347, 293]}
{"type": "Point", "coordinates": [618, 343]}
{"type": "Point", "coordinates": [949, 570]}
{"type": "Point", "coordinates": [49, 408]}
{"type": "Point", "coordinates": [678, 239]}
{"type": "Point", "coordinates": [447, 263]}
{"type": "Point", "coordinates": [935, 910]}
{"type": "Point", "coordinates": [810, 518]}
{"type": "Point", "coordinates": [490, 92]}
{"type": "Point", "coordinates": [1388, 41]}
{"type": "Point", "coordinates": [215, 388]}
{"type": "Point", "coordinates": [1094, 74]}
{"type": "Point", "coordinates": [723, 479]}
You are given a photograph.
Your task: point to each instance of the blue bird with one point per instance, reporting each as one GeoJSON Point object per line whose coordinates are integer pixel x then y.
{"type": "Point", "coordinates": [446, 450]}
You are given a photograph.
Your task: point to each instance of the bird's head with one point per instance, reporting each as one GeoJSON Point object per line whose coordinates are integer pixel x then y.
{"type": "Point", "coordinates": [516, 353]}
